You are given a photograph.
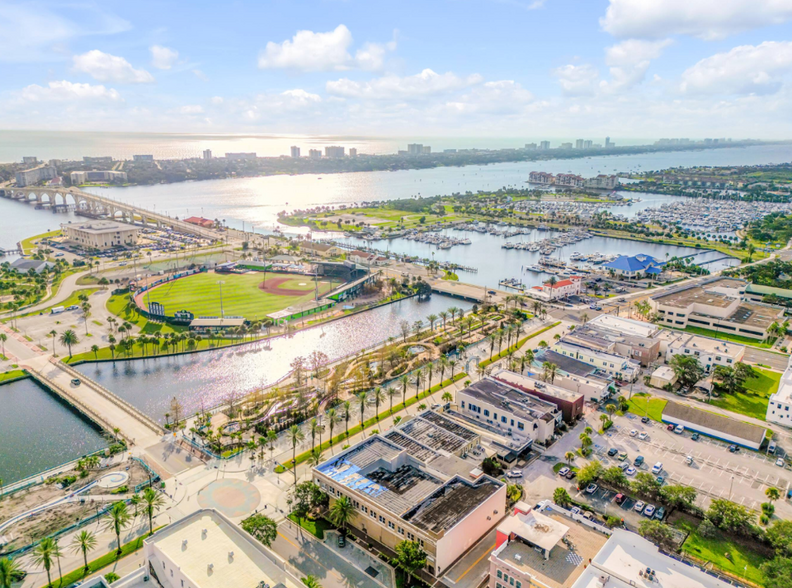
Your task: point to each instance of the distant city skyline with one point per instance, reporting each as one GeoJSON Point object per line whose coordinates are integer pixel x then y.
{"type": "Point", "coordinates": [465, 68]}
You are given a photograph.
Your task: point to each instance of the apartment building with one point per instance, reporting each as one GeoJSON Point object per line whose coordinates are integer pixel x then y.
{"type": "Point", "coordinates": [320, 249]}
{"type": "Point", "coordinates": [717, 305]}
{"type": "Point", "coordinates": [569, 181]}
{"type": "Point", "coordinates": [602, 181]}
{"type": "Point", "coordinates": [709, 352]}
{"type": "Point", "coordinates": [412, 484]}
{"type": "Point", "coordinates": [83, 177]}
{"type": "Point", "coordinates": [33, 176]}
{"type": "Point", "coordinates": [334, 151]}
{"type": "Point", "coordinates": [568, 401]}
{"type": "Point", "coordinates": [617, 366]}
{"type": "Point", "coordinates": [536, 177]}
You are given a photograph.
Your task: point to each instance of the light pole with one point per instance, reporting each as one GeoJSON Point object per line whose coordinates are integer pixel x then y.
{"type": "Point", "coordinates": [731, 485]}
{"type": "Point", "coordinates": [220, 283]}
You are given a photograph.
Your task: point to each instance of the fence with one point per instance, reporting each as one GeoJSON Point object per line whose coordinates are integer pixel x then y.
{"type": "Point", "coordinates": [153, 476]}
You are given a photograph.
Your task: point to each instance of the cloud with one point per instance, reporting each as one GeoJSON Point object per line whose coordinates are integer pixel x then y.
{"type": "Point", "coordinates": [629, 61]}
{"type": "Point", "coordinates": [426, 83]}
{"type": "Point", "coordinates": [577, 80]}
{"type": "Point", "coordinates": [110, 68]}
{"type": "Point", "coordinates": [706, 19]}
{"type": "Point", "coordinates": [35, 32]}
{"type": "Point", "coordinates": [64, 91]}
{"type": "Point", "coordinates": [191, 109]}
{"type": "Point", "coordinates": [200, 75]}
{"type": "Point", "coordinates": [746, 69]}
{"type": "Point", "coordinates": [310, 51]}
{"type": "Point", "coordinates": [163, 57]}
{"type": "Point", "coordinates": [501, 97]}
{"type": "Point", "coordinates": [217, 100]}
{"type": "Point", "coordinates": [271, 107]}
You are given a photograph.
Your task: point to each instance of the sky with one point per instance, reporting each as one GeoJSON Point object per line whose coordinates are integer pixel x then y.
{"type": "Point", "coordinates": [497, 68]}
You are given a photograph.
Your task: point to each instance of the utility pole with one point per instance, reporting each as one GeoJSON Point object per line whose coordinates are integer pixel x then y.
{"type": "Point", "coordinates": [220, 283]}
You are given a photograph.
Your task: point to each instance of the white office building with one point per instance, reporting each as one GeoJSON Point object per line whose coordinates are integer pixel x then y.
{"type": "Point", "coordinates": [101, 234]}
{"type": "Point", "coordinates": [779, 409]}
{"type": "Point", "coordinates": [615, 365]}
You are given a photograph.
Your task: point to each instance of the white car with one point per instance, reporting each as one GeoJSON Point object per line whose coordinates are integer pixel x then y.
{"type": "Point", "coordinates": [563, 471]}
{"type": "Point", "coordinates": [575, 510]}
{"type": "Point", "coordinates": [780, 462]}
{"type": "Point", "coordinates": [639, 506]}
{"type": "Point", "coordinates": [649, 511]}
{"type": "Point", "coordinates": [591, 488]}
{"type": "Point", "coordinates": [657, 468]}
{"type": "Point", "coordinates": [514, 474]}
{"type": "Point", "coordinates": [630, 471]}
{"type": "Point", "coordinates": [642, 436]}
{"type": "Point", "coordinates": [624, 466]}
{"type": "Point", "coordinates": [679, 429]}
{"type": "Point", "coordinates": [633, 433]}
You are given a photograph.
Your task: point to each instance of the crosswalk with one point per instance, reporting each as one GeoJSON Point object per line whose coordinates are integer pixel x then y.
{"type": "Point", "coordinates": [574, 559]}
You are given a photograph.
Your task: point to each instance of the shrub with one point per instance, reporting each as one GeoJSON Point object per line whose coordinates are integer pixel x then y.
{"type": "Point", "coordinates": [764, 519]}
{"type": "Point", "coordinates": [111, 577]}
{"type": "Point", "coordinates": [707, 530]}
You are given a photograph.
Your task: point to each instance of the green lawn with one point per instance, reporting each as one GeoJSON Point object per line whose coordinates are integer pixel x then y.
{"type": "Point", "coordinates": [742, 561]}
{"type": "Point", "coordinates": [70, 301]}
{"type": "Point", "coordinates": [12, 375]}
{"type": "Point", "coordinates": [729, 337]}
{"type": "Point", "coordinates": [28, 244]}
{"type": "Point", "coordinates": [656, 405]}
{"type": "Point", "coordinates": [118, 305]}
{"type": "Point", "coordinates": [752, 402]}
{"type": "Point", "coordinates": [200, 294]}
{"type": "Point", "coordinates": [315, 527]}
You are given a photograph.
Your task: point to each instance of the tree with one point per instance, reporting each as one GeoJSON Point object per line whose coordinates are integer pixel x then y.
{"type": "Point", "coordinates": [561, 497]}
{"type": "Point", "coordinates": [262, 528]}
{"type": "Point", "coordinates": [779, 534]}
{"type": "Point", "coordinates": [728, 516]}
{"type": "Point", "coordinates": [341, 512]}
{"type": "Point", "coordinates": [176, 411]}
{"type": "Point", "coordinates": [687, 369]}
{"type": "Point", "coordinates": [589, 473]}
{"type": "Point", "coordinates": [615, 478]}
{"type": "Point", "coordinates": [117, 519]}
{"type": "Point", "coordinates": [569, 457]}
{"type": "Point", "coordinates": [410, 556]}
{"type": "Point", "coordinates": [153, 501]}
{"type": "Point", "coordinates": [272, 438]}
{"type": "Point", "coordinates": [778, 573]}
{"type": "Point", "coordinates": [45, 554]}
{"type": "Point", "coordinates": [3, 339]}
{"type": "Point", "coordinates": [295, 435]}
{"type": "Point", "coordinates": [514, 492]}
{"type": "Point", "coordinates": [332, 420]}
{"type": "Point", "coordinates": [646, 484]}
{"type": "Point", "coordinates": [405, 330]}
{"type": "Point", "coordinates": [84, 542]}
{"type": "Point", "coordinates": [346, 408]}
{"type": "Point", "coordinates": [678, 496]}
{"type": "Point", "coordinates": [657, 532]}
{"type": "Point", "coordinates": [772, 494]}
{"type": "Point", "coordinates": [311, 582]}
{"type": "Point", "coordinates": [379, 398]}
{"type": "Point", "coordinates": [69, 338]}
{"type": "Point", "coordinates": [10, 572]}
{"type": "Point", "coordinates": [313, 428]}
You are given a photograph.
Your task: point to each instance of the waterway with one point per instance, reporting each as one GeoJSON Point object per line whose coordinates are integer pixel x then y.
{"type": "Point", "coordinates": [205, 379]}
{"type": "Point", "coordinates": [19, 221]}
{"type": "Point", "coordinates": [38, 431]}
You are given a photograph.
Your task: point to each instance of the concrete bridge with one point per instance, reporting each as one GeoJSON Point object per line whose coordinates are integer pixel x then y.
{"type": "Point", "coordinates": [104, 408]}
{"type": "Point", "coordinates": [101, 206]}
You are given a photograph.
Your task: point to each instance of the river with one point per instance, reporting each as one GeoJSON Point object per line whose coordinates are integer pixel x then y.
{"type": "Point", "coordinates": [38, 431]}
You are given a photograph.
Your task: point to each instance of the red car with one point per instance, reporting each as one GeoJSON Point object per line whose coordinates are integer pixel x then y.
{"type": "Point", "coordinates": [619, 498]}
{"type": "Point", "coordinates": [670, 427]}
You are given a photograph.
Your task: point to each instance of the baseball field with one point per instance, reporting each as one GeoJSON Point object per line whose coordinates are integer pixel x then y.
{"type": "Point", "coordinates": [243, 294]}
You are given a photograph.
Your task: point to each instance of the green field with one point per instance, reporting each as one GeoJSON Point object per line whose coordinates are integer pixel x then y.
{"type": "Point", "coordinates": [656, 405]}
{"type": "Point", "coordinates": [752, 402]}
{"type": "Point", "coordinates": [200, 294]}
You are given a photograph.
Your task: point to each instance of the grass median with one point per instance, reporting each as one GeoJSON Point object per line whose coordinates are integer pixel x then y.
{"type": "Point", "coordinates": [517, 345]}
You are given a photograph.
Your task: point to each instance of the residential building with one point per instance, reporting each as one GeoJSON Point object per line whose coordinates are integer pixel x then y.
{"type": "Point", "coordinates": [602, 182]}
{"type": "Point", "coordinates": [207, 550]}
{"type": "Point", "coordinates": [101, 234]}
{"type": "Point", "coordinates": [537, 177]}
{"type": "Point", "coordinates": [716, 305]}
{"type": "Point", "coordinates": [569, 181]}
{"type": "Point", "coordinates": [82, 177]}
{"type": "Point", "coordinates": [634, 266]}
{"type": "Point", "coordinates": [569, 402]}
{"type": "Point", "coordinates": [30, 160]}
{"type": "Point", "coordinates": [334, 151]}
{"type": "Point", "coordinates": [240, 156]}
{"type": "Point", "coordinates": [548, 291]}
{"type": "Point", "coordinates": [628, 560]}
{"type": "Point", "coordinates": [508, 411]}
{"type": "Point", "coordinates": [617, 366]}
{"type": "Point", "coordinates": [587, 144]}
{"type": "Point", "coordinates": [709, 352]}
{"type": "Point", "coordinates": [143, 158]}
{"type": "Point", "coordinates": [315, 154]}
{"type": "Point", "coordinates": [608, 143]}
{"type": "Point", "coordinates": [295, 151]}
{"type": "Point", "coordinates": [622, 336]}
{"type": "Point", "coordinates": [34, 176]}
{"type": "Point", "coordinates": [320, 249]}
{"type": "Point", "coordinates": [566, 146]}
{"type": "Point", "coordinates": [530, 146]}
{"type": "Point", "coordinates": [412, 484]}
{"type": "Point", "coordinates": [778, 409]}
{"type": "Point", "coordinates": [579, 144]}
{"type": "Point", "coordinates": [207, 154]}
{"type": "Point", "coordinates": [544, 145]}
{"type": "Point", "coordinates": [418, 149]}
{"type": "Point", "coordinates": [532, 547]}
{"type": "Point", "coordinates": [103, 161]}
{"type": "Point", "coordinates": [353, 152]}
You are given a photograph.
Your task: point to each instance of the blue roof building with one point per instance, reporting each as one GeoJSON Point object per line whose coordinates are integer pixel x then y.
{"type": "Point", "coordinates": [635, 266]}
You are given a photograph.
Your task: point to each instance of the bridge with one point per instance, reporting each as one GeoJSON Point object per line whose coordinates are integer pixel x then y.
{"type": "Point", "coordinates": [101, 206]}
{"type": "Point", "coordinates": [105, 409]}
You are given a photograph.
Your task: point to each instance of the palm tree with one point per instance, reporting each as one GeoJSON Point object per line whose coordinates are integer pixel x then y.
{"type": "Point", "coordinates": [444, 316]}
{"type": "Point", "coordinates": [311, 582]}
{"type": "Point", "coordinates": [569, 456]}
{"type": "Point", "coordinates": [53, 333]}
{"type": "Point", "coordinates": [272, 437]}
{"type": "Point", "coordinates": [610, 408]}
{"type": "Point", "coordinates": [315, 458]}
{"type": "Point", "coordinates": [432, 318]}
{"type": "Point", "coordinates": [84, 542]}
{"type": "Point", "coordinates": [295, 435]}
{"type": "Point", "coordinates": [447, 397]}
{"type": "Point", "coordinates": [418, 380]}
{"type": "Point", "coordinates": [772, 494]}
{"type": "Point", "coordinates": [332, 420]}
{"type": "Point", "coordinates": [313, 428]}
{"type": "Point", "coordinates": [346, 407]}
{"type": "Point", "coordinates": [405, 379]}
{"type": "Point", "coordinates": [117, 519]}
{"type": "Point", "coordinates": [95, 350]}
{"type": "Point", "coordinates": [379, 397]}
{"type": "Point", "coordinates": [390, 391]}
{"type": "Point", "coordinates": [69, 338]}
{"type": "Point", "coordinates": [452, 365]}
{"type": "Point", "coordinates": [44, 555]}
{"type": "Point", "coordinates": [9, 571]}
{"type": "Point", "coordinates": [341, 513]}
{"type": "Point", "coordinates": [153, 502]}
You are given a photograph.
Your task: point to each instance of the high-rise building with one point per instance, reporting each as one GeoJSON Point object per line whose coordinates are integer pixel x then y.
{"type": "Point", "coordinates": [530, 146]}
{"type": "Point", "coordinates": [35, 175]}
{"type": "Point", "coordinates": [544, 145]}
{"type": "Point", "coordinates": [426, 150]}
{"type": "Point", "coordinates": [315, 154]}
{"type": "Point", "coordinates": [415, 149]}
{"type": "Point", "coordinates": [334, 151]}
{"type": "Point", "coordinates": [579, 144]}
{"type": "Point", "coordinates": [142, 158]}
{"type": "Point", "coordinates": [608, 143]}
{"type": "Point", "coordinates": [207, 154]}
{"type": "Point", "coordinates": [566, 145]}
{"type": "Point", "coordinates": [587, 144]}
{"type": "Point", "coordinates": [352, 152]}
{"type": "Point", "coordinates": [30, 160]}
{"type": "Point", "coordinates": [295, 151]}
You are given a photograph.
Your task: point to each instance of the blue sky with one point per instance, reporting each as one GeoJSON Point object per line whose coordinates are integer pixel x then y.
{"type": "Point", "coordinates": [628, 68]}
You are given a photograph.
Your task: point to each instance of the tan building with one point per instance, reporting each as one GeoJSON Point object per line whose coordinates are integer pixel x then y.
{"type": "Point", "coordinates": [320, 249]}
{"type": "Point", "coordinates": [412, 484]}
{"type": "Point", "coordinates": [101, 234]}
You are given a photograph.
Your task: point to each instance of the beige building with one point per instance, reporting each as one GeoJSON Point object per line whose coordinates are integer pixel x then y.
{"type": "Point", "coordinates": [412, 484]}
{"type": "Point", "coordinates": [709, 352]}
{"type": "Point", "coordinates": [101, 234]}
{"type": "Point", "coordinates": [320, 249]}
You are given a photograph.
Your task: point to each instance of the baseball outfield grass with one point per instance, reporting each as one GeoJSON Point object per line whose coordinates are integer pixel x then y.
{"type": "Point", "coordinates": [243, 294]}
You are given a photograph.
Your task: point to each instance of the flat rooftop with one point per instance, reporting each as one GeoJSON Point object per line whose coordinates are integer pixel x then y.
{"type": "Point", "coordinates": [529, 384]}
{"type": "Point", "coordinates": [570, 365]}
{"type": "Point", "coordinates": [703, 418]}
{"type": "Point", "coordinates": [450, 504]}
{"type": "Point", "coordinates": [437, 434]}
{"type": "Point", "coordinates": [206, 538]}
{"type": "Point", "coordinates": [754, 314]}
{"type": "Point", "coordinates": [624, 325]}
{"type": "Point", "coordinates": [565, 565]}
{"type": "Point", "coordinates": [99, 227]}
{"type": "Point", "coordinates": [708, 345]}
{"type": "Point", "coordinates": [519, 403]}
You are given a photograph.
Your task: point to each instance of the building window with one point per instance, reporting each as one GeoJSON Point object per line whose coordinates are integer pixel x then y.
{"type": "Point", "coordinates": [503, 419]}
{"type": "Point", "coordinates": [500, 575]}
{"type": "Point", "coordinates": [382, 519]}
{"type": "Point", "coordinates": [486, 412]}
{"type": "Point", "coordinates": [391, 525]}
{"type": "Point", "coordinates": [463, 404]}
{"type": "Point", "coordinates": [401, 531]}
{"type": "Point", "coordinates": [511, 581]}
{"type": "Point", "coordinates": [520, 426]}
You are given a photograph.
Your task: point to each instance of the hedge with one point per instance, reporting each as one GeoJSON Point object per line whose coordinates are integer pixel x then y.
{"type": "Point", "coordinates": [517, 345]}
{"type": "Point", "coordinates": [372, 421]}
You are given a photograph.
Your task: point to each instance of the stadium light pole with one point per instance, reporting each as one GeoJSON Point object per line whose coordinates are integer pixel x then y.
{"type": "Point", "coordinates": [220, 283]}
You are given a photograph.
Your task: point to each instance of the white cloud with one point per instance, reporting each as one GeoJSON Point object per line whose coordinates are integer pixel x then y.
{"type": "Point", "coordinates": [746, 69]}
{"type": "Point", "coordinates": [200, 75]}
{"type": "Point", "coordinates": [310, 51]}
{"type": "Point", "coordinates": [706, 19]}
{"type": "Point", "coordinates": [387, 87]}
{"type": "Point", "coordinates": [191, 109]}
{"type": "Point", "coordinates": [299, 96]}
{"type": "Point", "coordinates": [577, 80]}
{"type": "Point", "coordinates": [110, 68]}
{"type": "Point", "coordinates": [629, 61]}
{"type": "Point", "coordinates": [163, 57]}
{"type": "Point", "coordinates": [63, 91]}
{"type": "Point", "coordinates": [217, 100]}
{"type": "Point", "coordinates": [501, 97]}
{"type": "Point", "coordinates": [35, 32]}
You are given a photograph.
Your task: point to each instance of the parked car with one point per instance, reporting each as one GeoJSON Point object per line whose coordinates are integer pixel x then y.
{"type": "Point", "coordinates": [780, 462]}
{"type": "Point", "coordinates": [72, 307]}
{"type": "Point", "coordinates": [642, 436]}
{"type": "Point", "coordinates": [619, 498]}
{"type": "Point", "coordinates": [612, 451]}
{"type": "Point", "coordinates": [695, 436]}
{"type": "Point", "coordinates": [660, 513]}
{"type": "Point", "coordinates": [660, 480]}
{"type": "Point", "coordinates": [649, 511]}
{"type": "Point", "coordinates": [630, 471]}
{"type": "Point", "coordinates": [733, 449]}
{"type": "Point", "coordinates": [639, 506]}
{"type": "Point", "coordinates": [679, 429]}
{"type": "Point", "coordinates": [514, 474]}
{"type": "Point", "coordinates": [645, 420]}
{"type": "Point", "coordinates": [633, 433]}
{"type": "Point", "coordinates": [575, 510]}
{"type": "Point", "coordinates": [563, 471]}
{"type": "Point", "coordinates": [670, 428]}
{"type": "Point", "coordinates": [341, 540]}
{"type": "Point", "coordinates": [591, 488]}
{"type": "Point", "coordinates": [771, 447]}
{"type": "Point", "coordinates": [624, 465]}
{"type": "Point", "coordinates": [657, 468]}
{"type": "Point", "coordinates": [689, 460]}
{"type": "Point", "coordinates": [571, 474]}
{"type": "Point", "coordinates": [623, 455]}
{"type": "Point", "coordinates": [638, 461]}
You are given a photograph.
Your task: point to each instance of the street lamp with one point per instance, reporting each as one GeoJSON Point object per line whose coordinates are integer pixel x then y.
{"type": "Point", "coordinates": [220, 283]}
